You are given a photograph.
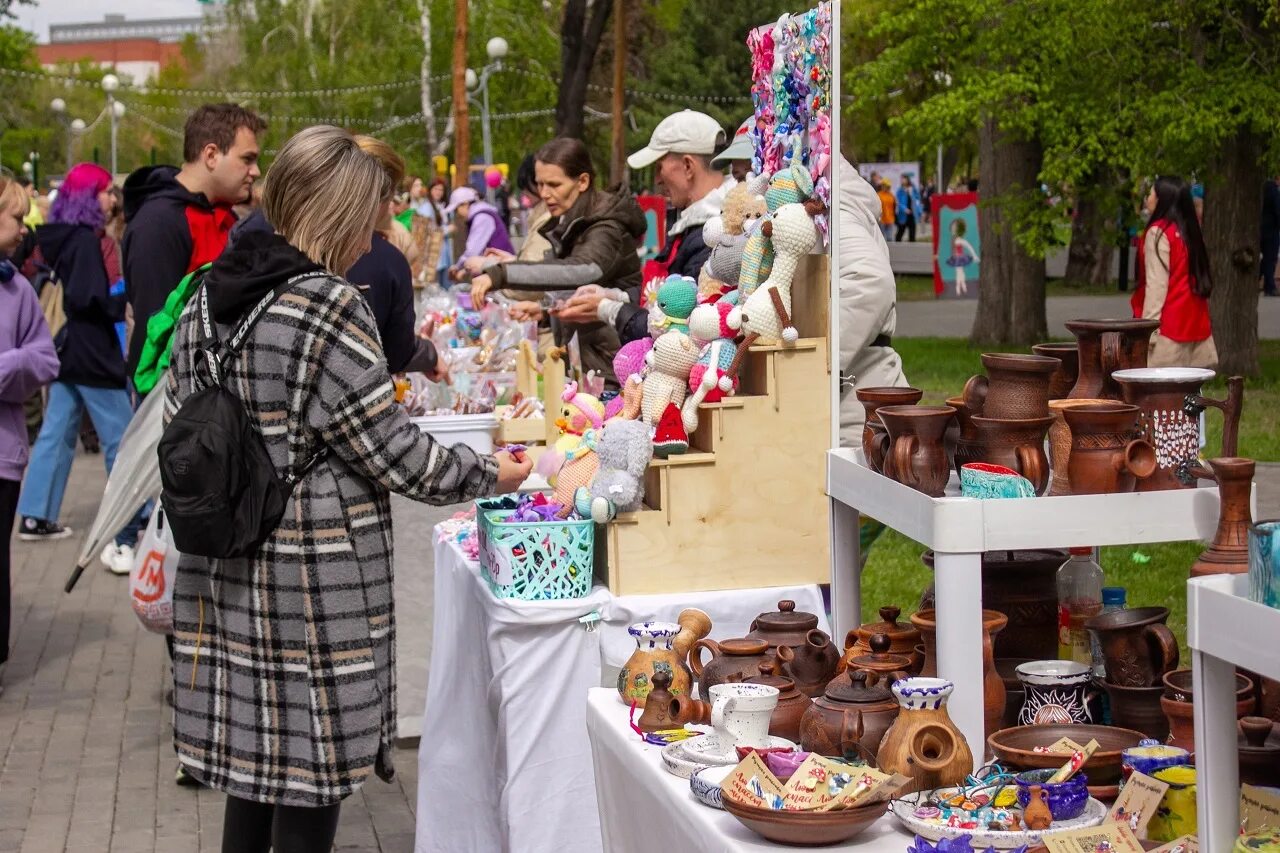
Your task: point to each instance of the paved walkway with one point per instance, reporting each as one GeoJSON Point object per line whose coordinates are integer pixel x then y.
{"type": "Point", "coordinates": [86, 761]}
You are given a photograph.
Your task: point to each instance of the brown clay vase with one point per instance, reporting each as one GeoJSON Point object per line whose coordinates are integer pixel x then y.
{"type": "Point", "coordinates": [1023, 586]}
{"type": "Point", "coordinates": [1259, 751]}
{"type": "Point", "coordinates": [1016, 386]}
{"type": "Point", "coordinates": [1064, 378]}
{"type": "Point", "coordinates": [1228, 553]}
{"type": "Point", "coordinates": [660, 709]}
{"type": "Point", "coordinates": [1104, 347]}
{"type": "Point", "coordinates": [967, 445]}
{"type": "Point", "coordinates": [993, 692]}
{"type": "Point", "coordinates": [1137, 647]}
{"type": "Point", "coordinates": [785, 720]}
{"type": "Point", "coordinates": [871, 399]}
{"type": "Point", "coordinates": [785, 626]}
{"type": "Point", "coordinates": [1106, 458]}
{"type": "Point", "coordinates": [923, 743]}
{"type": "Point", "coordinates": [850, 718]}
{"type": "Point", "coordinates": [811, 665]}
{"type": "Point", "coordinates": [1017, 444]}
{"type": "Point", "coordinates": [1060, 443]}
{"type": "Point", "coordinates": [879, 660]}
{"type": "Point", "coordinates": [1166, 419]}
{"type": "Point", "coordinates": [918, 456]}
{"type": "Point", "coordinates": [903, 639]}
{"type": "Point", "coordinates": [731, 660]}
{"type": "Point", "coordinates": [1231, 407]}
{"type": "Point", "coordinates": [1137, 708]}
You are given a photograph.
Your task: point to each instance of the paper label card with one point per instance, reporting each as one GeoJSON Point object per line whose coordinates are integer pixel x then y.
{"type": "Point", "coordinates": [816, 782]}
{"type": "Point", "coordinates": [866, 784]}
{"type": "Point", "coordinates": [1108, 838]}
{"type": "Point", "coordinates": [752, 783]}
{"type": "Point", "coordinates": [1259, 809]}
{"type": "Point", "coordinates": [1185, 844]}
{"type": "Point", "coordinates": [1065, 746]}
{"type": "Point", "coordinates": [1138, 802]}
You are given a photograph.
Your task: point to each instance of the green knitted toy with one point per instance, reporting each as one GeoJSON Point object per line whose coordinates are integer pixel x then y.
{"type": "Point", "coordinates": [677, 297]}
{"type": "Point", "coordinates": [791, 185]}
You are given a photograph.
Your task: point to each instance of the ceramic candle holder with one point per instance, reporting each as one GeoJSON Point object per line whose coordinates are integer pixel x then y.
{"type": "Point", "coordinates": [740, 713]}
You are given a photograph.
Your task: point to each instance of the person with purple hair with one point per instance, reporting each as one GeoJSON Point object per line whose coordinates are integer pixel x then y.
{"type": "Point", "coordinates": [73, 248]}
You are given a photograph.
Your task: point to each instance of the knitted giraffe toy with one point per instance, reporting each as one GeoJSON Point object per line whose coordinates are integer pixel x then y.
{"type": "Point", "coordinates": [791, 185]}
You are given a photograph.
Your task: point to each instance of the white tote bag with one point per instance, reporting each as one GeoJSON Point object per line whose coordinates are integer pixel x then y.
{"type": "Point", "coordinates": [151, 583]}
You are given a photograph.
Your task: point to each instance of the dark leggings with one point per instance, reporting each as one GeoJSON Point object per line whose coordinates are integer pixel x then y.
{"type": "Point", "coordinates": [250, 827]}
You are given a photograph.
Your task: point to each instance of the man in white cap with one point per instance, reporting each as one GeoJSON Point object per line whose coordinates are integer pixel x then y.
{"type": "Point", "coordinates": [741, 151]}
{"type": "Point", "coordinates": [681, 149]}
{"type": "Point", "coordinates": [485, 229]}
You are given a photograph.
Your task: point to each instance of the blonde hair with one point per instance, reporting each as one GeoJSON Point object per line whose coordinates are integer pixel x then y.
{"type": "Point", "coordinates": [11, 193]}
{"type": "Point", "coordinates": [392, 164]}
{"type": "Point", "coordinates": [322, 194]}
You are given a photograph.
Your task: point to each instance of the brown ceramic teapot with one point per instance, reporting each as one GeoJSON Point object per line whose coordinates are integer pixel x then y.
{"type": "Point", "coordinates": [785, 626]}
{"type": "Point", "coordinates": [850, 718]}
{"type": "Point", "coordinates": [903, 639]}
{"type": "Point", "coordinates": [731, 660]}
{"type": "Point", "coordinates": [785, 720]}
{"type": "Point", "coordinates": [811, 666]}
{"type": "Point", "coordinates": [879, 660]}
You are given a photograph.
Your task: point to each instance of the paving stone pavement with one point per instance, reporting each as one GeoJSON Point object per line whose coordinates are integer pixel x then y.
{"type": "Point", "coordinates": [86, 757]}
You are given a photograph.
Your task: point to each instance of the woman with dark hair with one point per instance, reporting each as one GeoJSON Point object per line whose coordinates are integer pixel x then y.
{"type": "Point", "coordinates": [73, 247]}
{"type": "Point", "coordinates": [1174, 281]}
{"type": "Point", "coordinates": [593, 236]}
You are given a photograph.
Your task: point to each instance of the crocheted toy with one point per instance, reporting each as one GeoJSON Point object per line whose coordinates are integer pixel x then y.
{"type": "Point", "coordinates": [624, 450]}
{"type": "Point", "coordinates": [579, 469]}
{"type": "Point", "coordinates": [728, 233]}
{"type": "Point", "coordinates": [670, 438]}
{"type": "Point", "coordinates": [667, 379]}
{"type": "Point", "coordinates": [713, 329]}
{"type": "Point", "coordinates": [767, 312]}
{"type": "Point", "coordinates": [787, 186]}
{"type": "Point", "coordinates": [629, 361]}
{"type": "Point", "coordinates": [579, 413]}
{"type": "Point", "coordinates": [670, 311]}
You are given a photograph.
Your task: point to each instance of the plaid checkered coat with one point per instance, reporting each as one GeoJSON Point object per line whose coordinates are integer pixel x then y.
{"type": "Point", "coordinates": [284, 664]}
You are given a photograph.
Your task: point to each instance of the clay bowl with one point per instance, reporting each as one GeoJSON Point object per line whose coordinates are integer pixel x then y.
{"type": "Point", "coordinates": [1015, 747]}
{"type": "Point", "coordinates": [805, 829]}
{"type": "Point", "coordinates": [1177, 686]}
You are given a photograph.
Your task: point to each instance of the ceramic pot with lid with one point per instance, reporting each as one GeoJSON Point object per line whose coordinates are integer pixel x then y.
{"type": "Point", "coordinates": [1106, 456]}
{"type": "Point", "coordinates": [1106, 346]}
{"type": "Point", "coordinates": [879, 660]}
{"type": "Point", "coordinates": [1162, 394]}
{"type": "Point", "coordinates": [792, 704]}
{"type": "Point", "coordinates": [850, 718]}
{"type": "Point", "coordinates": [903, 638]}
{"type": "Point", "coordinates": [811, 665]}
{"type": "Point", "coordinates": [1259, 751]}
{"type": "Point", "coordinates": [1064, 378]}
{"type": "Point", "coordinates": [785, 626]}
{"type": "Point", "coordinates": [1016, 386]}
{"type": "Point", "coordinates": [874, 438]}
{"type": "Point", "coordinates": [731, 660]}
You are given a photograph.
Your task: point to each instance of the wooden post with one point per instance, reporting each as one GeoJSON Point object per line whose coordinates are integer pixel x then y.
{"type": "Point", "coordinates": [461, 117]}
{"type": "Point", "coordinates": [618, 166]}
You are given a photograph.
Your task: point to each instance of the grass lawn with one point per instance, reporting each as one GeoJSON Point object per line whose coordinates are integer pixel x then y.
{"type": "Point", "coordinates": [919, 288]}
{"type": "Point", "coordinates": [1153, 574]}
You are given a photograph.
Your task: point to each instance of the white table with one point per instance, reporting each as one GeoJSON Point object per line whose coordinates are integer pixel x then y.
{"type": "Point", "coordinates": [960, 530]}
{"type": "Point", "coordinates": [504, 762]}
{"type": "Point", "coordinates": [1224, 629]}
{"type": "Point", "coordinates": [643, 808]}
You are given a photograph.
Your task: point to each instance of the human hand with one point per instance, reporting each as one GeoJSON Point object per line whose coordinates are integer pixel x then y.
{"type": "Point", "coordinates": [441, 373]}
{"type": "Point", "coordinates": [475, 264]}
{"type": "Point", "coordinates": [512, 471]}
{"type": "Point", "coordinates": [581, 308]}
{"type": "Point", "coordinates": [480, 287]}
{"type": "Point", "coordinates": [526, 311]}
{"type": "Point", "coordinates": [500, 255]}
{"type": "Point", "coordinates": [455, 275]}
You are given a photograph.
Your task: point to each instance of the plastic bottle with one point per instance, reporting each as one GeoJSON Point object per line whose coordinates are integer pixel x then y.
{"type": "Point", "coordinates": [1113, 598]}
{"type": "Point", "coordinates": [1079, 598]}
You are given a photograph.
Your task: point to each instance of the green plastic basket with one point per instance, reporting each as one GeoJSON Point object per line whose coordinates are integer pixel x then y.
{"type": "Point", "coordinates": [534, 561]}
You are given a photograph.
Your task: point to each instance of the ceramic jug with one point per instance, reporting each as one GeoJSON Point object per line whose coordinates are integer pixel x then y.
{"type": "Point", "coordinates": [923, 743]}
{"type": "Point", "coordinates": [1060, 442]}
{"type": "Point", "coordinates": [1137, 647]}
{"type": "Point", "coordinates": [918, 455]}
{"type": "Point", "coordinates": [1064, 378]}
{"type": "Point", "coordinates": [811, 665]}
{"type": "Point", "coordinates": [731, 660]}
{"type": "Point", "coordinates": [1162, 395]}
{"type": "Point", "coordinates": [993, 692]}
{"type": "Point", "coordinates": [661, 647]}
{"type": "Point", "coordinates": [792, 704]}
{"type": "Point", "coordinates": [1106, 457]}
{"type": "Point", "coordinates": [850, 718]}
{"type": "Point", "coordinates": [1106, 346]}
{"type": "Point", "coordinates": [873, 435]}
{"type": "Point", "coordinates": [1056, 692]}
{"type": "Point", "coordinates": [1016, 386]}
{"type": "Point", "coordinates": [1017, 444]}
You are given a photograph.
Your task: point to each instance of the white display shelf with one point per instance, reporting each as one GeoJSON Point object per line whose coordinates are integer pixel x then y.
{"type": "Point", "coordinates": [960, 530]}
{"type": "Point", "coordinates": [1224, 630]}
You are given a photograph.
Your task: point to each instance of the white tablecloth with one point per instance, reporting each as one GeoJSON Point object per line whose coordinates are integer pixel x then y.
{"type": "Point", "coordinates": [643, 808]}
{"type": "Point", "coordinates": [504, 763]}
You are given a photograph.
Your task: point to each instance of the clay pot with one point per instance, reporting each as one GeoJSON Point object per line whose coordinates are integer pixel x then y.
{"type": "Point", "coordinates": [1137, 708]}
{"type": "Point", "coordinates": [849, 719]}
{"type": "Point", "coordinates": [873, 439]}
{"type": "Point", "coordinates": [1016, 386]}
{"type": "Point", "coordinates": [785, 626]}
{"type": "Point", "coordinates": [1022, 585]}
{"type": "Point", "coordinates": [1182, 728]}
{"type": "Point", "coordinates": [903, 639]}
{"type": "Point", "coordinates": [1106, 346]}
{"type": "Point", "coordinates": [1137, 647]}
{"type": "Point", "coordinates": [923, 743]}
{"type": "Point", "coordinates": [1060, 443]}
{"type": "Point", "coordinates": [660, 709]}
{"type": "Point", "coordinates": [1259, 751]}
{"type": "Point", "coordinates": [993, 693]}
{"type": "Point", "coordinates": [785, 721]}
{"type": "Point", "coordinates": [656, 652]}
{"type": "Point", "coordinates": [879, 660]}
{"type": "Point", "coordinates": [731, 660]}
{"type": "Point", "coordinates": [1064, 378]}
{"type": "Point", "coordinates": [811, 665]}
{"type": "Point", "coordinates": [1105, 457]}
{"type": "Point", "coordinates": [1162, 394]}
{"type": "Point", "coordinates": [917, 455]}
{"type": "Point", "coordinates": [1177, 686]}
{"type": "Point", "coordinates": [1228, 553]}
{"type": "Point", "coordinates": [1017, 444]}
{"type": "Point", "coordinates": [967, 446]}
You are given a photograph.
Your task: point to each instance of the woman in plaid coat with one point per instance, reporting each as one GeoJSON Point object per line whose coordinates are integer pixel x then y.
{"type": "Point", "coordinates": [284, 692]}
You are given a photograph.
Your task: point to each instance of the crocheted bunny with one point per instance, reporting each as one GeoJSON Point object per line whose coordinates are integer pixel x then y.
{"type": "Point", "coordinates": [670, 311]}
{"type": "Point", "coordinates": [787, 186]}
{"type": "Point", "coordinates": [713, 328]}
{"type": "Point", "coordinates": [627, 363]}
{"type": "Point", "coordinates": [672, 357]}
{"type": "Point", "coordinates": [624, 450]}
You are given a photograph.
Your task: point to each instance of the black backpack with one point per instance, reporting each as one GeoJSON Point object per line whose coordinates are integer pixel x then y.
{"type": "Point", "coordinates": [222, 496]}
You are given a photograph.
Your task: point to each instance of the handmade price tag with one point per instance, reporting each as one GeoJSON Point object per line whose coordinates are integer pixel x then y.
{"type": "Point", "coordinates": [866, 784]}
{"type": "Point", "coordinates": [1065, 746]}
{"type": "Point", "coordinates": [752, 783]}
{"type": "Point", "coordinates": [1185, 844]}
{"type": "Point", "coordinates": [815, 783]}
{"type": "Point", "coordinates": [1078, 759]}
{"type": "Point", "coordinates": [1138, 802]}
{"type": "Point", "coordinates": [1110, 837]}
{"type": "Point", "coordinates": [1259, 809]}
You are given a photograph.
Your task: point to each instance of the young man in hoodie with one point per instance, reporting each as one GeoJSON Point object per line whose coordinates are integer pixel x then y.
{"type": "Point", "coordinates": [178, 218]}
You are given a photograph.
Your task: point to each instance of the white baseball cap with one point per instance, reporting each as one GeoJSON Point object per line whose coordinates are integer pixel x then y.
{"type": "Point", "coordinates": [743, 147]}
{"type": "Point", "coordinates": [461, 196]}
{"type": "Point", "coordinates": [685, 132]}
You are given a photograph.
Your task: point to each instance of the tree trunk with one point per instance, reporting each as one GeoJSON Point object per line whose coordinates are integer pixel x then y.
{"type": "Point", "coordinates": [580, 35]}
{"type": "Point", "coordinates": [461, 117]}
{"type": "Point", "coordinates": [1232, 221]}
{"type": "Point", "coordinates": [618, 163]}
{"type": "Point", "coordinates": [1089, 257]}
{"type": "Point", "coordinates": [424, 75]}
{"type": "Point", "coordinates": [1011, 288]}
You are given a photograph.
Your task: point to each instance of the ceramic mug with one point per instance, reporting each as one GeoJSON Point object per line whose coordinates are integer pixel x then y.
{"type": "Point", "coordinates": [1264, 562]}
{"type": "Point", "coordinates": [740, 713]}
{"type": "Point", "coordinates": [1056, 692]}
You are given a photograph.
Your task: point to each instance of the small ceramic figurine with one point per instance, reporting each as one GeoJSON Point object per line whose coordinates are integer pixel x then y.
{"type": "Point", "coordinates": [1036, 815]}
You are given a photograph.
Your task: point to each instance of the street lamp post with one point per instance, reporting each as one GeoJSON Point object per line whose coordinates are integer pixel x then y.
{"type": "Point", "coordinates": [59, 107]}
{"type": "Point", "coordinates": [497, 50]}
{"type": "Point", "coordinates": [110, 83]}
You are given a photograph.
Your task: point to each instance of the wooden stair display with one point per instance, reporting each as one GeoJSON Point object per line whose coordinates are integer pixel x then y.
{"type": "Point", "coordinates": [746, 507]}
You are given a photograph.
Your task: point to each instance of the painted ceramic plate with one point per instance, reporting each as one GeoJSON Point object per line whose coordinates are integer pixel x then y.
{"type": "Point", "coordinates": [677, 764]}
{"type": "Point", "coordinates": [1094, 814]}
{"type": "Point", "coordinates": [710, 750]}
{"type": "Point", "coordinates": [705, 784]}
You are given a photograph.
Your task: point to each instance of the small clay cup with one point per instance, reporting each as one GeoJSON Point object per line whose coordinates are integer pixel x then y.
{"type": "Point", "coordinates": [1106, 458]}
{"type": "Point", "coordinates": [1017, 444]}
{"type": "Point", "coordinates": [1137, 647]}
{"type": "Point", "coordinates": [1064, 378]}
{"type": "Point", "coordinates": [874, 439]}
{"type": "Point", "coordinates": [1060, 443]}
{"type": "Point", "coordinates": [1138, 708]}
{"type": "Point", "coordinates": [1016, 386]}
{"type": "Point", "coordinates": [918, 455]}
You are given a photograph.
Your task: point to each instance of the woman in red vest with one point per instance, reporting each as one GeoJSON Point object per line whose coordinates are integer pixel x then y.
{"type": "Point", "coordinates": [1174, 281]}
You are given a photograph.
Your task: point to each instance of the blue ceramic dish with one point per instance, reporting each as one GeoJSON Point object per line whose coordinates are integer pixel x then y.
{"type": "Point", "coordinates": [705, 784]}
{"type": "Point", "coordinates": [1151, 755]}
{"type": "Point", "coordinates": [981, 480]}
{"type": "Point", "coordinates": [1066, 799]}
